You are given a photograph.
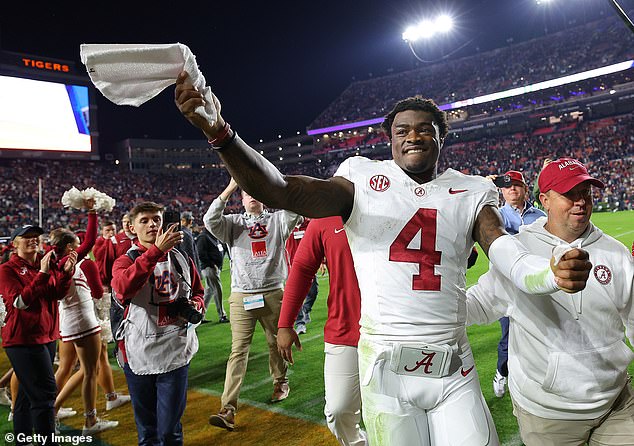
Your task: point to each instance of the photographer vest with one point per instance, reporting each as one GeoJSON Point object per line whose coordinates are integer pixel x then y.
{"type": "Point", "coordinates": [155, 341]}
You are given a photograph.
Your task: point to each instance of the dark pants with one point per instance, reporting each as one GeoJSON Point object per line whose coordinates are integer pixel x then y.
{"type": "Point", "coordinates": [303, 317]}
{"type": "Point", "coordinates": [158, 402]}
{"type": "Point", "coordinates": [33, 411]}
{"type": "Point", "coordinates": [503, 348]}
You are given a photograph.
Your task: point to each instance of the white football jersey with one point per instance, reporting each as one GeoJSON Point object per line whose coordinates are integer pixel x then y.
{"type": "Point", "coordinates": [410, 243]}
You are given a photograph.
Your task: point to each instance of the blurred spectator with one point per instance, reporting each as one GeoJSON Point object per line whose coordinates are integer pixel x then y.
{"type": "Point", "coordinates": [292, 244]}
{"type": "Point", "coordinates": [211, 260]}
{"type": "Point", "coordinates": [188, 246]}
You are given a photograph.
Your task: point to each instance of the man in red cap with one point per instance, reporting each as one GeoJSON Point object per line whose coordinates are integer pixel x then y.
{"type": "Point", "coordinates": [568, 358]}
{"type": "Point", "coordinates": [517, 211]}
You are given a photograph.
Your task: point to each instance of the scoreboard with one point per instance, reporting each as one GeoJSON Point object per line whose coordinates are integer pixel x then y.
{"type": "Point", "coordinates": [47, 109]}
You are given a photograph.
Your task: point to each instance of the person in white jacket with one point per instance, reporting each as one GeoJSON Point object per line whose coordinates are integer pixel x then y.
{"type": "Point", "coordinates": [567, 353]}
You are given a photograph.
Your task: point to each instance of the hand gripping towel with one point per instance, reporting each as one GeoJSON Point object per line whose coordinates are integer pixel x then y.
{"type": "Point", "coordinates": [132, 74]}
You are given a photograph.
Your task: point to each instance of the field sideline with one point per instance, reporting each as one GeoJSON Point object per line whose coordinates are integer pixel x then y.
{"type": "Point", "coordinates": [299, 419]}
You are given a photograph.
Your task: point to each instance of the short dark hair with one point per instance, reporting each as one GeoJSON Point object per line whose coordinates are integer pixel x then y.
{"type": "Point", "coordinates": [187, 216]}
{"type": "Point", "coordinates": [417, 103]}
{"type": "Point", "coordinates": [146, 206]}
{"type": "Point", "coordinates": [107, 223]}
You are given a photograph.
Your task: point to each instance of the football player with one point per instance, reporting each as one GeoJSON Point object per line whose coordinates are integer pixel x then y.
{"type": "Point", "coordinates": [410, 232]}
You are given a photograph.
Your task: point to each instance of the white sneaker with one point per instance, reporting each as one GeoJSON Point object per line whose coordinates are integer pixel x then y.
{"type": "Point", "coordinates": [120, 401]}
{"type": "Point", "coordinates": [65, 412]}
{"type": "Point", "coordinates": [499, 383]}
{"type": "Point", "coordinates": [5, 396]}
{"type": "Point", "coordinates": [300, 329]}
{"type": "Point", "coordinates": [99, 426]}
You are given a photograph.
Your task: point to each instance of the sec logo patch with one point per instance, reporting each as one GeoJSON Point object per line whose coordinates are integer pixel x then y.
{"type": "Point", "coordinates": [379, 183]}
{"type": "Point", "coordinates": [603, 274]}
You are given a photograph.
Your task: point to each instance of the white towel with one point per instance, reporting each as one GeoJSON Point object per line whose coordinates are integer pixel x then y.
{"type": "Point", "coordinates": [132, 74]}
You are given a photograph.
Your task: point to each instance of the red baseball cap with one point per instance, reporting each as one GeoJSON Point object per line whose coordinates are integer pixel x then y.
{"type": "Point", "coordinates": [514, 175]}
{"type": "Point", "coordinates": [563, 174]}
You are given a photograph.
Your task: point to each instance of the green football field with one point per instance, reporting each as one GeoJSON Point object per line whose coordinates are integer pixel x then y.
{"type": "Point", "coordinates": [306, 376]}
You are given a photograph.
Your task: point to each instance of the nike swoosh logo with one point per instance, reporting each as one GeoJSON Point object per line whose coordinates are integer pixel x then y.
{"type": "Point", "coordinates": [573, 168]}
{"type": "Point", "coordinates": [466, 372]}
{"type": "Point", "coordinates": [337, 231]}
{"type": "Point", "coordinates": [456, 191]}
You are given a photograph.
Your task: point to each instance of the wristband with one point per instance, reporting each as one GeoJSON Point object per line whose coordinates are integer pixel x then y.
{"type": "Point", "coordinates": [224, 138]}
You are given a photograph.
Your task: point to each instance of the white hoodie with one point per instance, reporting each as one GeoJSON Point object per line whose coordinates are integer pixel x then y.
{"type": "Point", "coordinates": [567, 353]}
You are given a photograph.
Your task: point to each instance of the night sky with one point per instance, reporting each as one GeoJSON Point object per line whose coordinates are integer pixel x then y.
{"type": "Point", "coordinates": [274, 65]}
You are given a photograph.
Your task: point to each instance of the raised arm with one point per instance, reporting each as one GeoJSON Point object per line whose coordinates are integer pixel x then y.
{"type": "Point", "coordinates": [256, 175]}
{"type": "Point", "coordinates": [91, 232]}
{"type": "Point", "coordinates": [530, 273]}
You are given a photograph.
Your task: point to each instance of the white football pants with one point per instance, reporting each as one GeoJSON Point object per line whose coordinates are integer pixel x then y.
{"type": "Point", "coordinates": [422, 411]}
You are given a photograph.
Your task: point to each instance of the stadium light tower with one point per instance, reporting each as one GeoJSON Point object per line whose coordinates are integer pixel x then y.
{"type": "Point", "coordinates": [428, 29]}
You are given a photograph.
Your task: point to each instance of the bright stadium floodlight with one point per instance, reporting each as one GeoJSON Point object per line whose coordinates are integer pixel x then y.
{"type": "Point", "coordinates": [411, 34]}
{"type": "Point", "coordinates": [444, 23]}
{"type": "Point", "coordinates": [428, 28]}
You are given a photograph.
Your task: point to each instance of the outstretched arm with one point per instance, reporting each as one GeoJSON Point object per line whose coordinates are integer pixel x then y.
{"type": "Point", "coordinates": [303, 195]}
{"type": "Point", "coordinates": [530, 273]}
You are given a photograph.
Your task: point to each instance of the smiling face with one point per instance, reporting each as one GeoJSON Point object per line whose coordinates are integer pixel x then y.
{"type": "Point", "coordinates": [146, 226]}
{"type": "Point", "coordinates": [26, 246]}
{"type": "Point", "coordinates": [416, 144]}
{"type": "Point", "coordinates": [569, 213]}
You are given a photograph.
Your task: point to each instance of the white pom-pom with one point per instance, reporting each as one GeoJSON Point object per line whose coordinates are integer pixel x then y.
{"type": "Point", "coordinates": [75, 198]}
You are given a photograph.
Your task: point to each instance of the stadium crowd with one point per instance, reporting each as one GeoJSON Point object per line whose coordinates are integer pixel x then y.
{"type": "Point", "coordinates": [592, 45]}
{"type": "Point", "coordinates": [606, 146]}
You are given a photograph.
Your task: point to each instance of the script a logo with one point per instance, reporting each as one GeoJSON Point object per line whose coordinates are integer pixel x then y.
{"type": "Point", "coordinates": [427, 362]}
{"type": "Point", "coordinates": [379, 183]}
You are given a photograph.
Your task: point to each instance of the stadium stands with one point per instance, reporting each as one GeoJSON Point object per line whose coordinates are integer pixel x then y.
{"type": "Point", "coordinates": [571, 51]}
{"type": "Point", "coordinates": [605, 145]}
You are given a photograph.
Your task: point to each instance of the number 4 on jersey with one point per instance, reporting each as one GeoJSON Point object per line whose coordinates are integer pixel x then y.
{"type": "Point", "coordinates": [426, 256]}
